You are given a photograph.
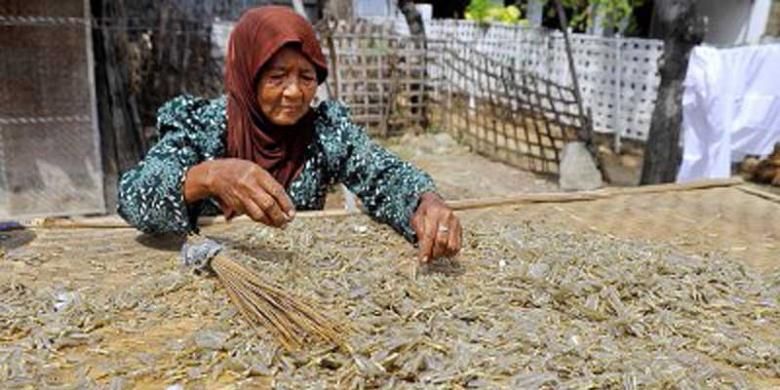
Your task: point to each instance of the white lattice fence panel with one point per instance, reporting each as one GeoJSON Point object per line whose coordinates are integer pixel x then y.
{"type": "Point", "coordinates": [618, 80]}
{"type": "Point", "coordinates": [618, 76]}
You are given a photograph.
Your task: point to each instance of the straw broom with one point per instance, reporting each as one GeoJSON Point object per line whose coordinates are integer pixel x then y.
{"type": "Point", "coordinates": [263, 303]}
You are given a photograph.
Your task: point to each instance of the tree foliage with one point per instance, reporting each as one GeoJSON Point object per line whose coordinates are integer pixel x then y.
{"type": "Point", "coordinates": [615, 12]}
{"type": "Point", "coordinates": [485, 11]}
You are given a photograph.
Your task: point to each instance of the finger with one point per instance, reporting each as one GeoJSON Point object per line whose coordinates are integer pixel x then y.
{"type": "Point", "coordinates": [271, 208]}
{"type": "Point", "coordinates": [277, 192]}
{"type": "Point", "coordinates": [460, 237]}
{"type": "Point", "coordinates": [253, 210]}
{"type": "Point", "coordinates": [453, 243]}
{"type": "Point", "coordinates": [426, 241]}
{"type": "Point", "coordinates": [227, 211]}
{"type": "Point", "coordinates": [231, 206]}
{"type": "Point", "coordinates": [442, 236]}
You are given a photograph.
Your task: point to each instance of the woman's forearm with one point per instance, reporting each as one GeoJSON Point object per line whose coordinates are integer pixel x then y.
{"type": "Point", "coordinates": [196, 183]}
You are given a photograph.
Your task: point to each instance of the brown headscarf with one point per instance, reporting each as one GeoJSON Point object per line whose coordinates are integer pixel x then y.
{"type": "Point", "coordinates": [257, 36]}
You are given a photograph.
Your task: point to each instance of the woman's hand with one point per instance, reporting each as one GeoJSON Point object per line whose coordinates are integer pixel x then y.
{"type": "Point", "coordinates": [438, 229]}
{"type": "Point", "coordinates": [241, 187]}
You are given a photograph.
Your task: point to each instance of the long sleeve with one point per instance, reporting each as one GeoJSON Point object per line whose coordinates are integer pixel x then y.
{"type": "Point", "coordinates": [151, 195]}
{"type": "Point", "coordinates": [388, 187]}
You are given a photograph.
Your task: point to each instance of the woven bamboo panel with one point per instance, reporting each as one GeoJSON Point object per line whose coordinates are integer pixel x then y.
{"type": "Point", "coordinates": [395, 84]}
{"type": "Point", "coordinates": [49, 161]}
{"type": "Point", "coordinates": [381, 76]}
{"type": "Point", "coordinates": [505, 113]}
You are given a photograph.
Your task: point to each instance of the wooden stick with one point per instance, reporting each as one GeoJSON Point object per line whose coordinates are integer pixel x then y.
{"type": "Point", "coordinates": [566, 197]}
{"type": "Point", "coordinates": [759, 192]}
{"type": "Point", "coordinates": [675, 187]}
{"type": "Point", "coordinates": [115, 222]}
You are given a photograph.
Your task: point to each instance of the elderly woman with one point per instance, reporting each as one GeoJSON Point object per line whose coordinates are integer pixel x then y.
{"type": "Point", "coordinates": [265, 152]}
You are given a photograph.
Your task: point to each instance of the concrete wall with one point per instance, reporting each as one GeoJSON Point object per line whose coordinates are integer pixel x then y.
{"type": "Point", "coordinates": [735, 22]}
{"type": "Point", "coordinates": [369, 8]}
{"type": "Point", "coordinates": [773, 25]}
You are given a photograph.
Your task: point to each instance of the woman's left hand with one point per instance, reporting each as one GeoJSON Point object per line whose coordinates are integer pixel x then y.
{"type": "Point", "coordinates": [438, 229]}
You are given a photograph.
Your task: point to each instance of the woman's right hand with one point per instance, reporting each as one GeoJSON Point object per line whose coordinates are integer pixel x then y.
{"type": "Point", "coordinates": [241, 187]}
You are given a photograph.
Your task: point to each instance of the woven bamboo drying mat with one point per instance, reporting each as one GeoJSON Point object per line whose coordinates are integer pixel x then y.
{"type": "Point", "coordinates": [715, 215]}
{"type": "Point", "coordinates": [741, 220]}
{"type": "Point", "coordinates": [159, 304]}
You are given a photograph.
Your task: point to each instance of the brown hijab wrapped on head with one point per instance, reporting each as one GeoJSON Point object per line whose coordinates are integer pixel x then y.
{"type": "Point", "coordinates": [257, 36]}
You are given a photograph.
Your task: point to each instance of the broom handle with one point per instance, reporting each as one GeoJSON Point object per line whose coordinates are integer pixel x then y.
{"type": "Point", "coordinates": [114, 222]}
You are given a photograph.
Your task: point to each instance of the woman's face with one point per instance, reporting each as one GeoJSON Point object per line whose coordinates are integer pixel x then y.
{"type": "Point", "coordinates": [287, 86]}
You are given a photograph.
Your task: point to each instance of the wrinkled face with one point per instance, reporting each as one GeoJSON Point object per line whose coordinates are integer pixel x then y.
{"type": "Point", "coordinates": [287, 85]}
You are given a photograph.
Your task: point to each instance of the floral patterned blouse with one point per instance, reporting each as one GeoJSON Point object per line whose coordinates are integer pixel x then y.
{"type": "Point", "coordinates": [193, 130]}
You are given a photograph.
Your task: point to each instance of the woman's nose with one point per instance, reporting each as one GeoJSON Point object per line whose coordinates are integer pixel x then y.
{"type": "Point", "coordinates": [292, 90]}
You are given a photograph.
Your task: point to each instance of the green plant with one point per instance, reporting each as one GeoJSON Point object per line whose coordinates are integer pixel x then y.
{"type": "Point", "coordinates": [615, 12]}
{"type": "Point", "coordinates": [485, 11]}
{"type": "Point", "coordinates": [478, 10]}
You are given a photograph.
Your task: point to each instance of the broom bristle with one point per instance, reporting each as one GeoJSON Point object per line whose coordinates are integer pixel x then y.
{"type": "Point", "coordinates": [264, 304]}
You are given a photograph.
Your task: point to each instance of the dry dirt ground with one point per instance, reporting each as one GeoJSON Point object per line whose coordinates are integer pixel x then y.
{"type": "Point", "coordinates": [458, 173]}
{"type": "Point", "coordinates": [461, 174]}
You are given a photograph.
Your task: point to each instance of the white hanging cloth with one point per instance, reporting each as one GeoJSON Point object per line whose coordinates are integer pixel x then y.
{"type": "Point", "coordinates": [731, 108]}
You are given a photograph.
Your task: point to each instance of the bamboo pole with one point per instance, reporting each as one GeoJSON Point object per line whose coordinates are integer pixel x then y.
{"type": "Point", "coordinates": [587, 133]}
{"type": "Point", "coordinates": [115, 222]}
{"type": "Point", "coordinates": [759, 192]}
